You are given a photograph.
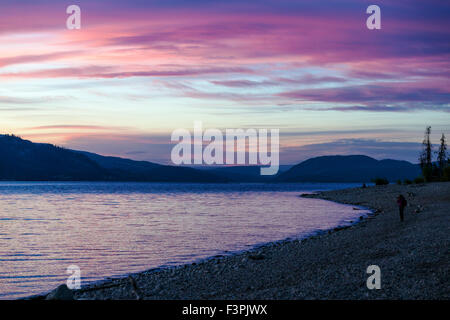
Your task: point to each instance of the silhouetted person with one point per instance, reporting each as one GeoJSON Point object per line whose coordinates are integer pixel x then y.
{"type": "Point", "coordinates": [401, 202]}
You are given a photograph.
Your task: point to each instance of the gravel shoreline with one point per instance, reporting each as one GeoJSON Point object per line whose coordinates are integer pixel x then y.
{"type": "Point", "coordinates": [413, 257]}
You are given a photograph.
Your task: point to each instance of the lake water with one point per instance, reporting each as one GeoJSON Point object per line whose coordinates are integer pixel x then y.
{"type": "Point", "coordinates": [112, 229]}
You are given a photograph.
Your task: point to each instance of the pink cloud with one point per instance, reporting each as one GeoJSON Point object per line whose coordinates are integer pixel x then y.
{"type": "Point", "coordinates": [36, 58]}
{"type": "Point", "coordinates": [109, 72]}
{"type": "Point", "coordinates": [214, 43]}
{"type": "Point", "coordinates": [380, 92]}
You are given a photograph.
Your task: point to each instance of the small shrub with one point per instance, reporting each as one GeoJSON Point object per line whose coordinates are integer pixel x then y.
{"type": "Point", "coordinates": [399, 182]}
{"type": "Point", "coordinates": [419, 180]}
{"type": "Point", "coordinates": [380, 181]}
{"type": "Point", "coordinates": [407, 181]}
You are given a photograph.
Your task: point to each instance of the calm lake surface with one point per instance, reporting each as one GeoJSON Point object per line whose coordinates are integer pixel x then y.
{"type": "Point", "coordinates": [112, 229]}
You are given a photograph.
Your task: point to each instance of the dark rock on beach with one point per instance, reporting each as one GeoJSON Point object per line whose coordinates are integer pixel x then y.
{"type": "Point", "coordinates": [60, 293]}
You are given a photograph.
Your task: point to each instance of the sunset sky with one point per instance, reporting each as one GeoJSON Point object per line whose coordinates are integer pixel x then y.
{"type": "Point", "coordinates": [137, 70]}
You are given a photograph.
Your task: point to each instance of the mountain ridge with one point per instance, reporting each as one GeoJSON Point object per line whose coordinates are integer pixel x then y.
{"type": "Point", "coordinates": [23, 160]}
{"type": "Point", "coordinates": [349, 168]}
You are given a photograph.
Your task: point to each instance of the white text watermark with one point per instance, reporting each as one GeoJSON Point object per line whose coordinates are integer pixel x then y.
{"type": "Point", "coordinates": [235, 146]}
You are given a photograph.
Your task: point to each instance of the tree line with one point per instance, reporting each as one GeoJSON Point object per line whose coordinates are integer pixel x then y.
{"type": "Point", "coordinates": [438, 170]}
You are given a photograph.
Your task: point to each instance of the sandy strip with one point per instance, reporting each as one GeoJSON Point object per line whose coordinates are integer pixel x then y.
{"type": "Point", "coordinates": [414, 258]}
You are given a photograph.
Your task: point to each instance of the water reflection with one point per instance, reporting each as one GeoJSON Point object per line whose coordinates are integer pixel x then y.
{"type": "Point", "coordinates": [114, 229]}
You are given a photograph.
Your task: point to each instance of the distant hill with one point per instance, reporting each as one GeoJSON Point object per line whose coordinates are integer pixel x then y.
{"type": "Point", "coordinates": [357, 168]}
{"type": "Point", "coordinates": [24, 160]}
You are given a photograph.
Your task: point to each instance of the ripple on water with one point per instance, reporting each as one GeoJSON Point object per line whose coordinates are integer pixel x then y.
{"type": "Point", "coordinates": [113, 229]}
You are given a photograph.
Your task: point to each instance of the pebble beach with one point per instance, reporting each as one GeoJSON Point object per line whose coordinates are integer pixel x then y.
{"type": "Point", "coordinates": [413, 256]}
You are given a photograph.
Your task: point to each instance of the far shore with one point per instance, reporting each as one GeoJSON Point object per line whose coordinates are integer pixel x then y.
{"type": "Point", "coordinates": [413, 256]}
